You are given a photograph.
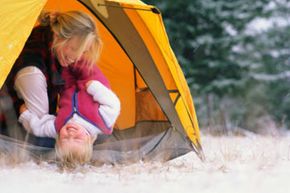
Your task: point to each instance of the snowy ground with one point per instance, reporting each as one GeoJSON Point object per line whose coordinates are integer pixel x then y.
{"type": "Point", "coordinates": [233, 165]}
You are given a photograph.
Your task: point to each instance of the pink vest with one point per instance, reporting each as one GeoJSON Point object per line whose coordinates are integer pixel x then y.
{"type": "Point", "coordinates": [75, 99]}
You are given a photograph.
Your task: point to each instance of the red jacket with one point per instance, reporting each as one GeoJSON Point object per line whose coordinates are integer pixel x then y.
{"type": "Point", "coordinates": [75, 99]}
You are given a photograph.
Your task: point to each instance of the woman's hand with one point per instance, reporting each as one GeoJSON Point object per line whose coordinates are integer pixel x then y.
{"type": "Point", "coordinates": [22, 108]}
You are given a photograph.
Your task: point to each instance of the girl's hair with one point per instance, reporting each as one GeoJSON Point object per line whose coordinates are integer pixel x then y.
{"type": "Point", "coordinates": [66, 25]}
{"type": "Point", "coordinates": [71, 158]}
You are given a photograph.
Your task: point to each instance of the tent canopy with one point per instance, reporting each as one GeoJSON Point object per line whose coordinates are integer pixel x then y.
{"type": "Point", "coordinates": [136, 58]}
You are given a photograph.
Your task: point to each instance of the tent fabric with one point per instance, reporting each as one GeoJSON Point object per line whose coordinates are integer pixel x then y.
{"type": "Point", "coordinates": [136, 58]}
{"type": "Point", "coordinates": [161, 147]}
{"type": "Point", "coordinates": [16, 21]}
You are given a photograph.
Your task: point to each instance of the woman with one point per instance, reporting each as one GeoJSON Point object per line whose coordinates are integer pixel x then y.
{"type": "Point", "coordinates": [60, 40]}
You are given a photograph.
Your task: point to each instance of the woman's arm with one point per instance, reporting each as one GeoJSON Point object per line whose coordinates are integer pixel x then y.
{"type": "Point", "coordinates": [30, 85]}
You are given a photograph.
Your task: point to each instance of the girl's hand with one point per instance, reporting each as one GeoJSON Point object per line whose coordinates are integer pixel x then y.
{"type": "Point", "coordinates": [22, 108]}
{"type": "Point", "coordinates": [88, 83]}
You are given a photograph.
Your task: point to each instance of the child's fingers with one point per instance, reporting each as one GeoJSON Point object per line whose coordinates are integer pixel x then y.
{"type": "Point", "coordinates": [22, 108]}
{"type": "Point", "coordinates": [88, 83]}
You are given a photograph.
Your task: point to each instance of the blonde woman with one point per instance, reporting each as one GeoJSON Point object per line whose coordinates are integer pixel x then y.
{"type": "Point", "coordinates": [63, 45]}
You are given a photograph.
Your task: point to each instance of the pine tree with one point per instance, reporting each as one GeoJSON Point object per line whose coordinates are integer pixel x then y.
{"type": "Point", "coordinates": [229, 62]}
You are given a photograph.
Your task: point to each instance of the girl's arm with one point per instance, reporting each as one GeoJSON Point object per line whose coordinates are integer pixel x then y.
{"type": "Point", "coordinates": [109, 102]}
{"type": "Point", "coordinates": [43, 127]}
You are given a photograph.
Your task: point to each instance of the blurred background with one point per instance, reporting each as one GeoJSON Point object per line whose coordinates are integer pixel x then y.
{"type": "Point", "coordinates": [236, 59]}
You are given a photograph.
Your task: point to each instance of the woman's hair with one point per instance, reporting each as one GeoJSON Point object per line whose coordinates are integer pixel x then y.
{"type": "Point", "coordinates": [66, 25]}
{"type": "Point", "coordinates": [73, 157]}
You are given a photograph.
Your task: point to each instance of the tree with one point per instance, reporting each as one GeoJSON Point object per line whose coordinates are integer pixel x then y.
{"type": "Point", "coordinates": [228, 63]}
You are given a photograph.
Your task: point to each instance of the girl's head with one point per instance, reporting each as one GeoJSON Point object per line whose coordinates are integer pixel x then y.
{"type": "Point", "coordinates": [75, 36]}
{"type": "Point", "coordinates": [74, 144]}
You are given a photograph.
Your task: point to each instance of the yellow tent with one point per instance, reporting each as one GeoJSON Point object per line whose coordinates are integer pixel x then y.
{"type": "Point", "coordinates": [156, 104]}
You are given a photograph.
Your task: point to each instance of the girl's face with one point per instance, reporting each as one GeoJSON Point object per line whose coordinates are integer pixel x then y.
{"type": "Point", "coordinates": [69, 53]}
{"type": "Point", "coordinates": [73, 135]}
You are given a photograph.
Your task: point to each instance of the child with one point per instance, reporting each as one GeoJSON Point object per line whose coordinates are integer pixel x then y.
{"type": "Point", "coordinates": [87, 107]}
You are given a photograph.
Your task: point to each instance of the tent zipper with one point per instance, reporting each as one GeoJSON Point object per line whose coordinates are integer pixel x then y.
{"type": "Point", "coordinates": [75, 103]}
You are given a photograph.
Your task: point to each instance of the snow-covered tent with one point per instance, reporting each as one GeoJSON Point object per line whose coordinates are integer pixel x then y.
{"type": "Point", "coordinates": [158, 119]}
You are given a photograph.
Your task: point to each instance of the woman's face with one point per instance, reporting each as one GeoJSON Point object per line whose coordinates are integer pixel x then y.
{"type": "Point", "coordinates": [69, 53]}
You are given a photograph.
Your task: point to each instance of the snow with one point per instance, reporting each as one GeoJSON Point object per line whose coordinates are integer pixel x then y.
{"type": "Point", "coordinates": [251, 164]}
{"type": "Point", "coordinates": [271, 77]}
{"type": "Point", "coordinates": [259, 25]}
